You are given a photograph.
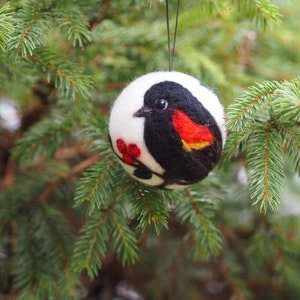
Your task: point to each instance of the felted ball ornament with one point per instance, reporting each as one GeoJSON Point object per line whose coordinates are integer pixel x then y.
{"type": "Point", "coordinates": [167, 129]}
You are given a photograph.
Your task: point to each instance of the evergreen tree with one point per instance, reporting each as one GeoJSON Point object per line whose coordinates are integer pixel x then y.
{"type": "Point", "coordinates": [74, 225]}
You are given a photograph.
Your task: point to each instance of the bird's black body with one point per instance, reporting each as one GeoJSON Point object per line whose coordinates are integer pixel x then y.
{"type": "Point", "coordinates": [163, 141]}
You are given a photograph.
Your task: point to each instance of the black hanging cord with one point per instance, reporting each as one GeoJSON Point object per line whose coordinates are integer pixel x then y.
{"type": "Point", "coordinates": [171, 54]}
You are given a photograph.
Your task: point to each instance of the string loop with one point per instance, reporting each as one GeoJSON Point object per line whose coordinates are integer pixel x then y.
{"type": "Point", "coordinates": [171, 53]}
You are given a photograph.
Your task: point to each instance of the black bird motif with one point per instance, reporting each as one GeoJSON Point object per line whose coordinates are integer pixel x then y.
{"type": "Point", "coordinates": [180, 133]}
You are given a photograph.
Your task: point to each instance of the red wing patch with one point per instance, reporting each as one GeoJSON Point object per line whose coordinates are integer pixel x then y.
{"type": "Point", "coordinates": [193, 135]}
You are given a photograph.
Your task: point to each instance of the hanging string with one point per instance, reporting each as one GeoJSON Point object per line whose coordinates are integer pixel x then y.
{"type": "Point", "coordinates": [171, 53]}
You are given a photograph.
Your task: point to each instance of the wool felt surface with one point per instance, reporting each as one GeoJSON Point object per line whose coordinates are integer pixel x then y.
{"type": "Point", "coordinates": [167, 129]}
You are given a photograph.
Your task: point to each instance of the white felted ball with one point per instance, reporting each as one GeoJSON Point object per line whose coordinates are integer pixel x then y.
{"type": "Point", "coordinates": [167, 129]}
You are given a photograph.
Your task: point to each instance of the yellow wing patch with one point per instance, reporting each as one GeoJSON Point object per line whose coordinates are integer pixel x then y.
{"type": "Point", "coordinates": [194, 146]}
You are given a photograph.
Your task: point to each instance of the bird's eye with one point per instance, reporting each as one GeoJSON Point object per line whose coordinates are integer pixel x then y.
{"type": "Point", "coordinates": [161, 104]}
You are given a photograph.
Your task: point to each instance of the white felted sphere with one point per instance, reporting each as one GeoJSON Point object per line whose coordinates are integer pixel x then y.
{"type": "Point", "coordinates": [167, 129]}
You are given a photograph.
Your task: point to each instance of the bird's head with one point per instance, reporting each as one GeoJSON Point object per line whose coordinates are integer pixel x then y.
{"type": "Point", "coordinates": [160, 99]}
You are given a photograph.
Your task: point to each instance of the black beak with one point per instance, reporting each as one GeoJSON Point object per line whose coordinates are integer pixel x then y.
{"type": "Point", "coordinates": [142, 112]}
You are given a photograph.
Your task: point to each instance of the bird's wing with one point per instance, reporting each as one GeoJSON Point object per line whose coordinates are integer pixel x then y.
{"type": "Point", "coordinates": [193, 135]}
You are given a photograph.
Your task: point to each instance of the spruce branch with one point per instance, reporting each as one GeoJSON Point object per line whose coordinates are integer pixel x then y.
{"type": "Point", "coordinates": [96, 184]}
{"type": "Point", "coordinates": [250, 104]}
{"type": "Point", "coordinates": [77, 27]}
{"type": "Point", "coordinates": [291, 143]}
{"type": "Point", "coordinates": [148, 206]}
{"type": "Point", "coordinates": [6, 25]}
{"type": "Point", "coordinates": [286, 102]}
{"type": "Point", "coordinates": [197, 210]}
{"type": "Point", "coordinates": [264, 12]}
{"type": "Point", "coordinates": [107, 224]}
{"type": "Point", "coordinates": [43, 139]}
{"type": "Point", "coordinates": [123, 240]}
{"type": "Point", "coordinates": [113, 200]}
{"type": "Point", "coordinates": [91, 245]}
{"type": "Point", "coordinates": [94, 129]}
{"type": "Point", "coordinates": [28, 41]}
{"type": "Point", "coordinates": [68, 77]}
{"type": "Point", "coordinates": [265, 168]}
{"type": "Point", "coordinates": [40, 242]}
{"type": "Point", "coordinates": [31, 25]}
{"type": "Point", "coordinates": [236, 143]}
{"type": "Point", "coordinates": [263, 122]}
{"type": "Point", "coordinates": [58, 231]}
{"type": "Point", "coordinates": [33, 21]}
